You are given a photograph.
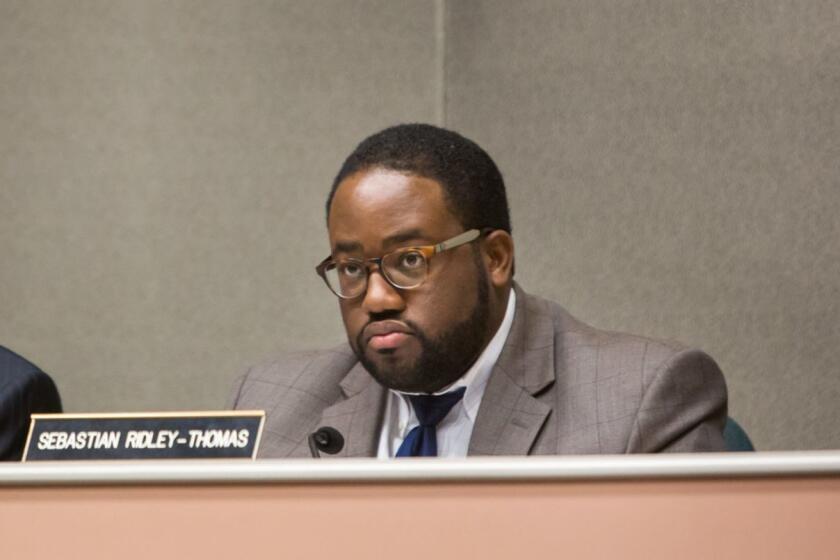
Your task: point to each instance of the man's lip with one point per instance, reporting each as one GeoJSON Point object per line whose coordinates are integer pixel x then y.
{"type": "Point", "coordinates": [381, 328]}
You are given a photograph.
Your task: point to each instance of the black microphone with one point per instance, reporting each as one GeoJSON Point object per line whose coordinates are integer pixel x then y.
{"type": "Point", "coordinates": [326, 439]}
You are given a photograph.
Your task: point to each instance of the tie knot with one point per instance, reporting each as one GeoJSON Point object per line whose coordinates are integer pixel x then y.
{"type": "Point", "coordinates": [431, 409]}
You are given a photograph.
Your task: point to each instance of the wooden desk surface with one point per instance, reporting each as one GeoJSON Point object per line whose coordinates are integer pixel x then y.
{"type": "Point", "coordinates": [760, 505]}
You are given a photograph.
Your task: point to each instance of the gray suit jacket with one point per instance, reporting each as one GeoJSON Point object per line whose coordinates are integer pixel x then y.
{"type": "Point", "coordinates": [559, 387]}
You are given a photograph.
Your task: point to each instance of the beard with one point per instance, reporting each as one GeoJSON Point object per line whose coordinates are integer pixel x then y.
{"type": "Point", "coordinates": [443, 359]}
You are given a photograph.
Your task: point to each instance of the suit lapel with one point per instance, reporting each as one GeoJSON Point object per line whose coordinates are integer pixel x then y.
{"type": "Point", "coordinates": [510, 417]}
{"type": "Point", "coordinates": [358, 416]}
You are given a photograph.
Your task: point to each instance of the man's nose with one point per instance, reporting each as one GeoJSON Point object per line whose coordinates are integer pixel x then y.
{"type": "Point", "coordinates": [381, 296]}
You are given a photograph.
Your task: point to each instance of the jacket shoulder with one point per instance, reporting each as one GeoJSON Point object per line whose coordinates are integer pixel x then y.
{"type": "Point", "coordinates": [310, 374]}
{"type": "Point", "coordinates": [573, 334]}
{"type": "Point", "coordinates": [24, 389]}
{"type": "Point", "coordinates": [631, 392]}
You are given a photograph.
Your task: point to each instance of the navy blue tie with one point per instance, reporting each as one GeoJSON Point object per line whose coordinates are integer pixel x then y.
{"type": "Point", "coordinates": [430, 409]}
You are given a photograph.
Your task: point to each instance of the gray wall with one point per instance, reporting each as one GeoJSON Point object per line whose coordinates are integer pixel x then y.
{"type": "Point", "coordinates": [672, 166]}
{"type": "Point", "coordinates": [674, 170]}
{"type": "Point", "coordinates": [163, 168]}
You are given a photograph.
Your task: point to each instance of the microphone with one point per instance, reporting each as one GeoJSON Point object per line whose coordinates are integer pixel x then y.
{"type": "Point", "coordinates": [326, 439]}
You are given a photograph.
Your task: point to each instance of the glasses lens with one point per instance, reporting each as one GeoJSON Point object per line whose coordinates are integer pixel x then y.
{"type": "Point", "coordinates": [405, 269]}
{"type": "Point", "coordinates": [346, 278]}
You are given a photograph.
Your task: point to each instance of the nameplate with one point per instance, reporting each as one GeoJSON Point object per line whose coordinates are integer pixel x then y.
{"type": "Point", "coordinates": [150, 435]}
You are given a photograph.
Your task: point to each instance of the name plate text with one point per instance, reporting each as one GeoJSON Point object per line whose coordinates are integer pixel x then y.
{"type": "Point", "coordinates": [153, 435]}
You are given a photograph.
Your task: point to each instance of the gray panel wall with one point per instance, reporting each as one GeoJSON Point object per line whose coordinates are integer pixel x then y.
{"type": "Point", "coordinates": [673, 171]}
{"type": "Point", "coordinates": [163, 170]}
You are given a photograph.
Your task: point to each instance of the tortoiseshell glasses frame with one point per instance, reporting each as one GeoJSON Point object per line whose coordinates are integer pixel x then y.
{"type": "Point", "coordinates": [405, 268]}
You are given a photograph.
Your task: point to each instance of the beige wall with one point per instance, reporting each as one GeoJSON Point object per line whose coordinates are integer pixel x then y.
{"type": "Point", "coordinates": [673, 171]}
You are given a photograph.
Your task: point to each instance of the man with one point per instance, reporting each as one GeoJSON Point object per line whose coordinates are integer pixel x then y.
{"type": "Point", "coordinates": [447, 356]}
{"type": "Point", "coordinates": [24, 389]}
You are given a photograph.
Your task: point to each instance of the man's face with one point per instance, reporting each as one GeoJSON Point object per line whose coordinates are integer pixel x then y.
{"type": "Point", "coordinates": [425, 338]}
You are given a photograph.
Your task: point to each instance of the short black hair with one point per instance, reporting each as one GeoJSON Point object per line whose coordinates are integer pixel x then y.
{"type": "Point", "coordinates": [472, 184]}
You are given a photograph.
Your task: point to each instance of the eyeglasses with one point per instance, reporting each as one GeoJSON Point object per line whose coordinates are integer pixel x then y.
{"type": "Point", "coordinates": [405, 268]}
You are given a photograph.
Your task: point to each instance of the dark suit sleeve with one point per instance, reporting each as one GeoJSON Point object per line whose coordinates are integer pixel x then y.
{"type": "Point", "coordinates": [23, 390]}
{"type": "Point", "coordinates": [683, 408]}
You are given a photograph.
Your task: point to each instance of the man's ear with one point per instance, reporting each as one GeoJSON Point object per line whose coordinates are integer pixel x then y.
{"type": "Point", "coordinates": [498, 257]}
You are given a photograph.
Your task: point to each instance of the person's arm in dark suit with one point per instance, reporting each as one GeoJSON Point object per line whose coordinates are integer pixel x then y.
{"type": "Point", "coordinates": [24, 389]}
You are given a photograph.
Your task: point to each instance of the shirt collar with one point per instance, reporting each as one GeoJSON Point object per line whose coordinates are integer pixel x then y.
{"type": "Point", "coordinates": [475, 379]}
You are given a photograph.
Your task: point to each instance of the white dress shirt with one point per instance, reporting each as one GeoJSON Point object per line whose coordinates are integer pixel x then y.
{"type": "Point", "coordinates": [454, 431]}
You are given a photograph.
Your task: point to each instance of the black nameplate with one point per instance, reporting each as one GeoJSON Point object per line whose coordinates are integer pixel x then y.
{"type": "Point", "coordinates": [153, 435]}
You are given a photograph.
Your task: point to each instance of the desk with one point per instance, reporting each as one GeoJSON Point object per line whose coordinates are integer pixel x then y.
{"type": "Point", "coordinates": [736, 505]}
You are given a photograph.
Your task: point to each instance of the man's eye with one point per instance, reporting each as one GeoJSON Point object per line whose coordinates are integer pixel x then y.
{"type": "Point", "coordinates": [351, 270]}
{"type": "Point", "coordinates": [411, 260]}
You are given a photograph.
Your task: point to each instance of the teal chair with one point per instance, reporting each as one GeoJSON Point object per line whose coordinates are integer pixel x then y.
{"type": "Point", "coordinates": [736, 438]}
